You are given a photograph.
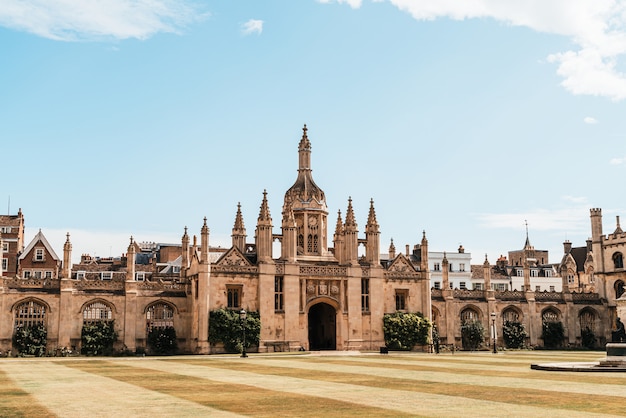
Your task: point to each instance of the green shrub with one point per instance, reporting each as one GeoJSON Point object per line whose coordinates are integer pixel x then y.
{"type": "Point", "coordinates": [225, 327]}
{"type": "Point", "coordinates": [514, 334]}
{"type": "Point", "coordinates": [31, 340]}
{"type": "Point", "coordinates": [552, 334]}
{"type": "Point", "coordinates": [403, 331]}
{"type": "Point", "coordinates": [472, 334]}
{"type": "Point", "coordinates": [97, 338]}
{"type": "Point", "coordinates": [588, 338]}
{"type": "Point", "coordinates": [162, 340]}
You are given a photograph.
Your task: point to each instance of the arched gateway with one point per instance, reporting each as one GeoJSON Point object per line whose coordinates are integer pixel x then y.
{"type": "Point", "coordinates": [322, 327]}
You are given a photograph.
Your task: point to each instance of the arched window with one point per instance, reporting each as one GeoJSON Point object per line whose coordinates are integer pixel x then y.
{"type": "Point", "coordinates": [309, 247]}
{"type": "Point", "coordinates": [619, 289]}
{"type": "Point", "coordinates": [618, 260]}
{"type": "Point", "coordinates": [587, 320]}
{"type": "Point", "coordinates": [550, 316]}
{"type": "Point", "coordinates": [159, 315]}
{"type": "Point", "coordinates": [510, 315]}
{"type": "Point", "coordinates": [30, 313]}
{"type": "Point", "coordinates": [96, 312]}
{"type": "Point", "coordinates": [315, 244]}
{"type": "Point", "coordinates": [469, 315]}
{"type": "Point", "coordinates": [301, 241]}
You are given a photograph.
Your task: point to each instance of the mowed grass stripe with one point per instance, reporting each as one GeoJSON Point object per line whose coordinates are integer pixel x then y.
{"type": "Point", "coordinates": [16, 402]}
{"type": "Point", "coordinates": [68, 392]}
{"type": "Point", "coordinates": [479, 369]}
{"type": "Point", "coordinates": [519, 396]}
{"type": "Point", "coordinates": [358, 389]}
{"type": "Point", "coordinates": [236, 397]}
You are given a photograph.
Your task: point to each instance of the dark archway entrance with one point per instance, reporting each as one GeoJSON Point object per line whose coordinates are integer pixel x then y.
{"type": "Point", "coordinates": [322, 327]}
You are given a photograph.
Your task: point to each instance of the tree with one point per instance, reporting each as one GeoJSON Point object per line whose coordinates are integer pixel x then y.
{"type": "Point", "coordinates": [552, 334]}
{"type": "Point", "coordinates": [472, 334]}
{"type": "Point", "coordinates": [403, 331]}
{"type": "Point", "coordinates": [588, 338]}
{"type": "Point", "coordinates": [162, 340]}
{"type": "Point", "coordinates": [225, 327]}
{"type": "Point", "coordinates": [31, 339]}
{"type": "Point", "coordinates": [514, 334]}
{"type": "Point", "coordinates": [97, 338]}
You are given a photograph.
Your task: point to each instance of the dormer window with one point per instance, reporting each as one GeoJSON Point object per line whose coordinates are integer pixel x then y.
{"type": "Point", "coordinates": [140, 276]}
{"type": "Point", "coordinates": [80, 275]}
{"type": "Point", "coordinates": [106, 275]}
{"type": "Point", "coordinates": [39, 255]}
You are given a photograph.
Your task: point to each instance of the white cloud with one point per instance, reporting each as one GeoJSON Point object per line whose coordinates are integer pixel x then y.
{"type": "Point", "coordinates": [590, 120]}
{"type": "Point", "coordinates": [94, 19]}
{"type": "Point", "coordinates": [597, 28]}
{"type": "Point", "coordinates": [355, 4]}
{"type": "Point", "coordinates": [252, 26]}
{"type": "Point", "coordinates": [618, 161]}
{"type": "Point", "coordinates": [574, 219]}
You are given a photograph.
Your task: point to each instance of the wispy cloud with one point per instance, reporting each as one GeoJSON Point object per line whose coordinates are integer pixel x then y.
{"type": "Point", "coordinates": [597, 28]}
{"type": "Point", "coordinates": [252, 26]}
{"type": "Point", "coordinates": [95, 20]}
{"type": "Point", "coordinates": [355, 4]}
{"type": "Point", "coordinates": [590, 120]}
{"type": "Point", "coordinates": [617, 161]}
{"type": "Point", "coordinates": [571, 219]}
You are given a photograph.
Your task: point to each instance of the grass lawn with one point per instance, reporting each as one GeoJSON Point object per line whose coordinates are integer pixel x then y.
{"type": "Point", "coordinates": [395, 385]}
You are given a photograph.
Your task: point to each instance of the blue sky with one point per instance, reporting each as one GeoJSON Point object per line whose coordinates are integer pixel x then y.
{"type": "Point", "coordinates": [463, 119]}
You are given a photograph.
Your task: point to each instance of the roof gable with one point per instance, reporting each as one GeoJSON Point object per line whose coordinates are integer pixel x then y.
{"type": "Point", "coordinates": [233, 257]}
{"type": "Point", "coordinates": [39, 238]}
{"type": "Point", "coordinates": [401, 265]}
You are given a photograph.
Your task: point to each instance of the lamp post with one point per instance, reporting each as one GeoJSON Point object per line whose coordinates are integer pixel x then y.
{"type": "Point", "coordinates": [493, 331]}
{"type": "Point", "coordinates": [242, 318]}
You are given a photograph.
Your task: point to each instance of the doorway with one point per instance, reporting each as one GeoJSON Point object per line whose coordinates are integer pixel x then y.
{"type": "Point", "coordinates": [322, 327]}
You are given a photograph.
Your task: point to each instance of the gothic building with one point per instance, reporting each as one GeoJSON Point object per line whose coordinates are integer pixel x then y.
{"type": "Point", "coordinates": [311, 295]}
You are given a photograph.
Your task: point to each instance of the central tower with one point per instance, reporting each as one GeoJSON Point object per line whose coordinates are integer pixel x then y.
{"type": "Point", "coordinates": [305, 207]}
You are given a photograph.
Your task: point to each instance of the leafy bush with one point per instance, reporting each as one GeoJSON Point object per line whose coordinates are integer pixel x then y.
{"type": "Point", "coordinates": [225, 327]}
{"type": "Point", "coordinates": [514, 334]}
{"type": "Point", "coordinates": [588, 338]}
{"type": "Point", "coordinates": [403, 331]}
{"type": "Point", "coordinates": [97, 338]}
{"type": "Point", "coordinates": [472, 334]}
{"type": "Point", "coordinates": [31, 340]}
{"type": "Point", "coordinates": [552, 334]}
{"type": "Point", "coordinates": [162, 340]}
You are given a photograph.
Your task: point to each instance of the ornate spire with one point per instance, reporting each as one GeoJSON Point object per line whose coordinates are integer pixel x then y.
{"type": "Point", "coordinates": [305, 144]}
{"type": "Point", "coordinates": [339, 226]}
{"type": "Point", "coordinates": [205, 227]}
{"type": "Point", "coordinates": [264, 214]}
{"type": "Point", "coordinates": [350, 221]}
{"type": "Point", "coordinates": [618, 229]}
{"type": "Point", "coordinates": [304, 189]}
{"type": "Point", "coordinates": [371, 218]}
{"type": "Point", "coordinates": [424, 240]}
{"type": "Point", "coordinates": [527, 244]}
{"type": "Point", "coordinates": [68, 244]}
{"type": "Point", "coordinates": [238, 218]}
{"type": "Point", "coordinates": [486, 263]}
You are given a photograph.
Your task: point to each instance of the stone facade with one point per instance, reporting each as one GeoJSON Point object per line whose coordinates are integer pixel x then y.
{"type": "Point", "coordinates": [311, 295]}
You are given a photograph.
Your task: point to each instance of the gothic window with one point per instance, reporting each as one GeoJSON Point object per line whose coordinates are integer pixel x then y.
{"type": "Point", "coordinates": [301, 241]}
{"type": "Point", "coordinates": [96, 312]}
{"type": "Point", "coordinates": [550, 316]}
{"type": "Point", "coordinates": [279, 296]}
{"type": "Point", "coordinates": [468, 315]}
{"type": "Point", "coordinates": [401, 299]}
{"type": "Point", "coordinates": [365, 295]}
{"type": "Point", "coordinates": [618, 260]}
{"type": "Point", "coordinates": [29, 313]}
{"type": "Point", "coordinates": [309, 242]}
{"type": "Point", "coordinates": [233, 297]}
{"type": "Point", "coordinates": [619, 289]}
{"type": "Point", "coordinates": [510, 315]}
{"type": "Point", "coordinates": [587, 320]}
{"type": "Point", "coordinates": [315, 244]}
{"type": "Point", "coordinates": [159, 315]}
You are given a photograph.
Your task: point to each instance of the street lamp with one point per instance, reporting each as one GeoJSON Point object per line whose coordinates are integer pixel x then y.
{"type": "Point", "coordinates": [242, 318]}
{"type": "Point", "coordinates": [493, 330]}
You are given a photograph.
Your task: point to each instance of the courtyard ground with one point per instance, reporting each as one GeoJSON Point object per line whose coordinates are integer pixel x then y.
{"type": "Point", "coordinates": [329, 384]}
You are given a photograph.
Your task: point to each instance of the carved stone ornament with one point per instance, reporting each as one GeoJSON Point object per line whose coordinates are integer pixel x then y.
{"type": "Point", "coordinates": [323, 288]}
{"type": "Point", "coordinates": [334, 289]}
{"type": "Point", "coordinates": [310, 288]}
